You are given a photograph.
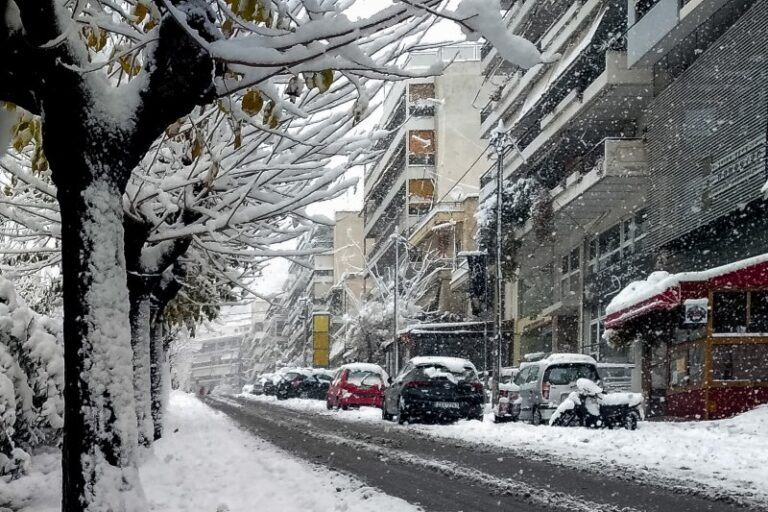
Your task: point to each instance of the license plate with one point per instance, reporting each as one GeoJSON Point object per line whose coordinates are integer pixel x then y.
{"type": "Point", "coordinates": [447, 405]}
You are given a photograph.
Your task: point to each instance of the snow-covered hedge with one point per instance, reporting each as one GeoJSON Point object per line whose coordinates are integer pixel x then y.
{"type": "Point", "coordinates": [31, 381]}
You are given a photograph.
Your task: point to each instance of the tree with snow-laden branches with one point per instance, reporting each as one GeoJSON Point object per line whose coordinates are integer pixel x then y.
{"type": "Point", "coordinates": [140, 175]}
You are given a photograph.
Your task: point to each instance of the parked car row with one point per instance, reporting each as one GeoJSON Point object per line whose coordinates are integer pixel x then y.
{"type": "Point", "coordinates": [292, 383]}
{"type": "Point", "coordinates": [449, 388]}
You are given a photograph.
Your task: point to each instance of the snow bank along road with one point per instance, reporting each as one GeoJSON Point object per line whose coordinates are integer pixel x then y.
{"type": "Point", "coordinates": [450, 475]}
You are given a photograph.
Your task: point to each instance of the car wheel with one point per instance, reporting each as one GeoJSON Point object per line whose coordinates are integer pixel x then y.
{"type": "Point", "coordinates": [630, 421]}
{"type": "Point", "coordinates": [344, 407]}
{"type": "Point", "coordinates": [536, 417]}
{"type": "Point", "coordinates": [402, 415]}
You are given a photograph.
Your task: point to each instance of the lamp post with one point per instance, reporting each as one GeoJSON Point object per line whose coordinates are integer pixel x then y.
{"type": "Point", "coordinates": [501, 141]}
{"type": "Point", "coordinates": [396, 363]}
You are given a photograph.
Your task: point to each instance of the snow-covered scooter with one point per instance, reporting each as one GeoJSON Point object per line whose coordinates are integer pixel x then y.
{"type": "Point", "coordinates": [508, 407]}
{"type": "Point", "coordinates": [589, 406]}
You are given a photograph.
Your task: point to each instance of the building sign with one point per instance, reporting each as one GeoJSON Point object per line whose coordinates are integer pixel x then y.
{"type": "Point", "coordinates": [696, 311]}
{"type": "Point", "coordinates": [737, 167]}
{"type": "Point", "coordinates": [321, 340]}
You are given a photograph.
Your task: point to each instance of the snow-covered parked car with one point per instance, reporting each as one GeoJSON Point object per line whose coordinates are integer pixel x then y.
{"type": "Point", "coordinates": [357, 384]}
{"type": "Point", "coordinates": [545, 383]}
{"type": "Point", "coordinates": [434, 388]}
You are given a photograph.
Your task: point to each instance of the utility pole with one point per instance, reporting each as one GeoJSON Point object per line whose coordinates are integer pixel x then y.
{"type": "Point", "coordinates": [501, 141]}
{"type": "Point", "coordinates": [396, 349]}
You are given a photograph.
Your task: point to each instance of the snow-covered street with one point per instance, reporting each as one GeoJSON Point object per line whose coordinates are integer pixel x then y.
{"type": "Point", "coordinates": [207, 464]}
{"type": "Point", "coordinates": [726, 455]}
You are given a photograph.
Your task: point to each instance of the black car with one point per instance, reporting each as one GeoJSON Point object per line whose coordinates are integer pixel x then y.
{"type": "Point", "coordinates": [318, 387]}
{"type": "Point", "coordinates": [303, 383]}
{"type": "Point", "coordinates": [434, 388]}
{"type": "Point", "coordinates": [294, 384]}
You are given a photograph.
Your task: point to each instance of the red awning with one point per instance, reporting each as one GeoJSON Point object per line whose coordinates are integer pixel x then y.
{"type": "Point", "coordinates": [665, 300]}
{"type": "Point", "coordinates": [663, 291]}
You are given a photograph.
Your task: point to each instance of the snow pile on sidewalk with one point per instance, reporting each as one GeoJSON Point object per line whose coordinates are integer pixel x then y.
{"type": "Point", "coordinates": [207, 464]}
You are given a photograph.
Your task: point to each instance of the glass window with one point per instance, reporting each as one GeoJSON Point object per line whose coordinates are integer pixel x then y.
{"type": "Point", "coordinates": [575, 260]}
{"type": "Point", "coordinates": [533, 375]}
{"type": "Point", "coordinates": [744, 362]}
{"type": "Point", "coordinates": [563, 375]}
{"type": "Point", "coordinates": [730, 312]}
{"type": "Point", "coordinates": [758, 312]}
{"type": "Point", "coordinates": [522, 377]}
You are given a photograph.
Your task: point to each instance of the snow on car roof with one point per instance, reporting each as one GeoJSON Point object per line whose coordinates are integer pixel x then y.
{"type": "Point", "coordinates": [566, 358]}
{"type": "Point", "coordinates": [367, 367]}
{"type": "Point", "coordinates": [454, 364]}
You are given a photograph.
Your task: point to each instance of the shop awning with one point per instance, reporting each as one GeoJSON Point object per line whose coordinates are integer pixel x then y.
{"type": "Point", "coordinates": [665, 291]}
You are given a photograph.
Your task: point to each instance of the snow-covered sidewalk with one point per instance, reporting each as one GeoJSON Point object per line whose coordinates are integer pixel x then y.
{"type": "Point", "coordinates": [725, 454]}
{"type": "Point", "coordinates": [207, 464]}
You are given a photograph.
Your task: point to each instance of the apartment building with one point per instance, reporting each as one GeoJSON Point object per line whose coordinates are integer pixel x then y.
{"type": "Point", "coordinates": [646, 140]}
{"type": "Point", "coordinates": [344, 298]}
{"type": "Point", "coordinates": [288, 326]}
{"type": "Point", "coordinates": [705, 137]}
{"type": "Point", "coordinates": [575, 124]}
{"type": "Point", "coordinates": [217, 363]}
{"type": "Point", "coordinates": [254, 347]}
{"type": "Point", "coordinates": [428, 156]}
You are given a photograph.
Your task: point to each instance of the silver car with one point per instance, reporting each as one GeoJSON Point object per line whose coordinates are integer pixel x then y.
{"type": "Point", "coordinates": [547, 382]}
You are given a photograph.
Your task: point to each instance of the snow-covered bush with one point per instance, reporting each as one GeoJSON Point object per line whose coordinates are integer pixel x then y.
{"type": "Point", "coordinates": [31, 381]}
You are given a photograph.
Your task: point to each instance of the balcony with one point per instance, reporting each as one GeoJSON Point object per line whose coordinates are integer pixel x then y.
{"type": "Point", "coordinates": [618, 93]}
{"type": "Point", "coordinates": [613, 176]}
{"type": "Point", "coordinates": [444, 212]}
{"type": "Point", "coordinates": [663, 26]}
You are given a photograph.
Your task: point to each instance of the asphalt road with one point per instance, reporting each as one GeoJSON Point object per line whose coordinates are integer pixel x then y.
{"type": "Point", "coordinates": [447, 476]}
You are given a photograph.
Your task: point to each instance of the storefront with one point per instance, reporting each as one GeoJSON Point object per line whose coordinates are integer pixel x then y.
{"type": "Point", "coordinates": [713, 327]}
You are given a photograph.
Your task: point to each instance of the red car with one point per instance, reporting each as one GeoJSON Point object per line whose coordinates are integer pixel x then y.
{"type": "Point", "coordinates": [357, 384]}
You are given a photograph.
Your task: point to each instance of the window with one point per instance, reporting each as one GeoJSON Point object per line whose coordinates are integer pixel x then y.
{"type": "Point", "coordinates": [522, 377]}
{"type": "Point", "coordinates": [686, 367]}
{"type": "Point", "coordinates": [421, 190]}
{"type": "Point", "coordinates": [758, 312]}
{"type": "Point", "coordinates": [610, 246]}
{"type": "Point", "coordinates": [562, 375]}
{"type": "Point", "coordinates": [744, 362]}
{"type": "Point", "coordinates": [730, 312]}
{"type": "Point", "coordinates": [570, 273]}
{"type": "Point", "coordinates": [617, 242]}
{"type": "Point", "coordinates": [421, 147]}
{"type": "Point", "coordinates": [419, 96]}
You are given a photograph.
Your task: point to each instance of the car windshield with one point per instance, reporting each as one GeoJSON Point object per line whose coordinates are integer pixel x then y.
{"type": "Point", "coordinates": [323, 377]}
{"type": "Point", "coordinates": [564, 374]}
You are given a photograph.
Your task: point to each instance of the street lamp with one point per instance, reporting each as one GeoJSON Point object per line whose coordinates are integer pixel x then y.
{"type": "Point", "coordinates": [396, 238]}
{"type": "Point", "coordinates": [501, 142]}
